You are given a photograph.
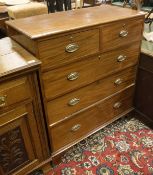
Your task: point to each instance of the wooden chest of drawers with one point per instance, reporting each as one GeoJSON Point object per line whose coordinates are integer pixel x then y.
{"type": "Point", "coordinates": [88, 68]}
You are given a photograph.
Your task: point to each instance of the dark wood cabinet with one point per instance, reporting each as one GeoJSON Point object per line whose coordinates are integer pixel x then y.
{"type": "Point", "coordinates": [144, 87]}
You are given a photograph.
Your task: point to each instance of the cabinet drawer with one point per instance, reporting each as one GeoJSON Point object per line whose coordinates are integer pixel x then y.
{"type": "Point", "coordinates": [70, 103]}
{"type": "Point", "coordinates": [63, 49]}
{"type": "Point", "coordinates": [121, 33]}
{"type": "Point", "coordinates": [80, 125]}
{"type": "Point", "coordinates": [14, 91]}
{"type": "Point", "coordinates": [88, 70]}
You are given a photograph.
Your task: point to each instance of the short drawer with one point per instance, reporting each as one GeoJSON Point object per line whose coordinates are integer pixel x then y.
{"type": "Point", "coordinates": [70, 77]}
{"type": "Point", "coordinates": [80, 125]}
{"type": "Point", "coordinates": [63, 49]}
{"type": "Point", "coordinates": [14, 91]}
{"type": "Point", "coordinates": [121, 33]}
{"type": "Point", "coordinates": [72, 102]}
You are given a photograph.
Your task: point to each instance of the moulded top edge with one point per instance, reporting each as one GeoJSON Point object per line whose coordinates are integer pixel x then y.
{"type": "Point", "coordinates": [49, 24]}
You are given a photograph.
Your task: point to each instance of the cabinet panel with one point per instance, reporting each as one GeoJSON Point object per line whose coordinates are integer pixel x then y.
{"type": "Point", "coordinates": [144, 93]}
{"type": "Point", "coordinates": [17, 146]}
{"type": "Point", "coordinates": [144, 87]}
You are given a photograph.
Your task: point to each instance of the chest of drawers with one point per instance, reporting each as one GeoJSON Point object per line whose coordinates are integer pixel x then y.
{"type": "Point", "coordinates": [89, 62]}
{"type": "Point", "coordinates": [22, 129]}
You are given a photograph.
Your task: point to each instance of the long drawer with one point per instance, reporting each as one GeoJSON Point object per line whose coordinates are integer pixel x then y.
{"type": "Point", "coordinates": [62, 49]}
{"type": "Point", "coordinates": [120, 33]}
{"type": "Point", "coordinates": [70, 103]}
{"type": "Point", "coordinates": [14, 91]}
{"type": "Point", "coordinates": [70, 77]}
{"type": "Point", "coordinates": [82, 124]}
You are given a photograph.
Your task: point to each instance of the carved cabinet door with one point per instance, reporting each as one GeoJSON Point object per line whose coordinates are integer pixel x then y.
{"type": "Point", "coordinates": [20, 148]}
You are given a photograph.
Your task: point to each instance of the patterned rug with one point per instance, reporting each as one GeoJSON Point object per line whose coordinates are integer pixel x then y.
{"type": "Point", "coordinates": [123, 148]}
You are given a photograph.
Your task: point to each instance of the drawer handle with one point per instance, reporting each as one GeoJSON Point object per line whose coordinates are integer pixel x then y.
{"type": "Point", "coordinates": [75, 127]}
{"type": "Point", "coordinates": [117, 105]}
{"type": "Point", "coordinates": [3, 101]}
{"type": "Point", "coordinates": [118, 81]}
{"type": "Point", "coordinates": [74, 101]}
{"type": "Point", "coordinates": [123, 33]}
{"type": "Point", "coordinates": [121, 58]}
{"type": "Point", "coordinates": [73, 76]}
{"type": "Point", "coordinates": [72, 48]}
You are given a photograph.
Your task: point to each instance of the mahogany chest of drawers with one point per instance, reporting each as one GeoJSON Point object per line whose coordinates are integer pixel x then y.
{"type": "Point", "coordinates": [89, 63]}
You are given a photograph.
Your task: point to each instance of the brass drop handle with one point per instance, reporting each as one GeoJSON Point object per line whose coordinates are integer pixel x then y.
{"type": "Point", "coordinates": [3, 100]}
{"type": "Point", "coordinates": [123, 33]}
{"type": "Point", "coordinates": [73, 101]}
{"type": "Point", "coordinates": [118, 81]}
{"type": "Point", "coordinates": [117, 105]}
{"type": "Point", "coordinates": [73, 76]}
{"type": "Point", "coordinates": [75, 127]}
{"type": "Point", "coordinates": [121, 58]}
{"type": "Point", "coordinates": [70, 48]}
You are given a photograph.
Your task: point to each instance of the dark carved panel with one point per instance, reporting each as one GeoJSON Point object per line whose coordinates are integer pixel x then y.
{"type": "Point", "coordinates": [12, 150]}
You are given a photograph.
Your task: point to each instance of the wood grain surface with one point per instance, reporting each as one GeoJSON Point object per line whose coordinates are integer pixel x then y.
{"type": "Point", "coordinates": [90, 119]}
{"type": "Point", "coordinates": [15, 91]}
{"type": "Point", "coordinates": [14, 58]}
{"type": "Point", "coordinates": [90, 69]}
{"type": "Point", "coordinates": [59, 108]}
{"type": "Point", "coordinates": [45, 25]}
{"type": "Point", "coordinates": [111, 38]}
{"type": "Point", "coordinates": [52, 52]}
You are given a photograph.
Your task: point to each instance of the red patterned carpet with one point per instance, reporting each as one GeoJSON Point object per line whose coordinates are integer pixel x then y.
{"type": "Point", "coordinates": [122, 148]}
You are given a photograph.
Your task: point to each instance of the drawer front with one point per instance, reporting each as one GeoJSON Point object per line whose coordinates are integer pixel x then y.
{"type": "Point", "coordinates": [121, 33]}
{"type": "Point", "coordinates": [14, 91]}
{"type": "Point", "coordinates": [64, 49]}
{"type": "Point", "coordinates": [80, 125]}
{"type": "Point", "coordinates": [70, 103]}
{"type": "Point", "coordinates": [68, 78]}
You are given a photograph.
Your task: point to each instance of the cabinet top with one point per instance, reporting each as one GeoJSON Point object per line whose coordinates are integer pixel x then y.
{"type": "Point", "coordinates": [45, 25]}
{"type": "Point", "coordinates": [14, 59]}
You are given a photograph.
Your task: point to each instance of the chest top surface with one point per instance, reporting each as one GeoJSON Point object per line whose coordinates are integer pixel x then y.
{"type": "Point", "coordinates": [45, 25]}
{"type": "Point", "coordinates": [14, 58]}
